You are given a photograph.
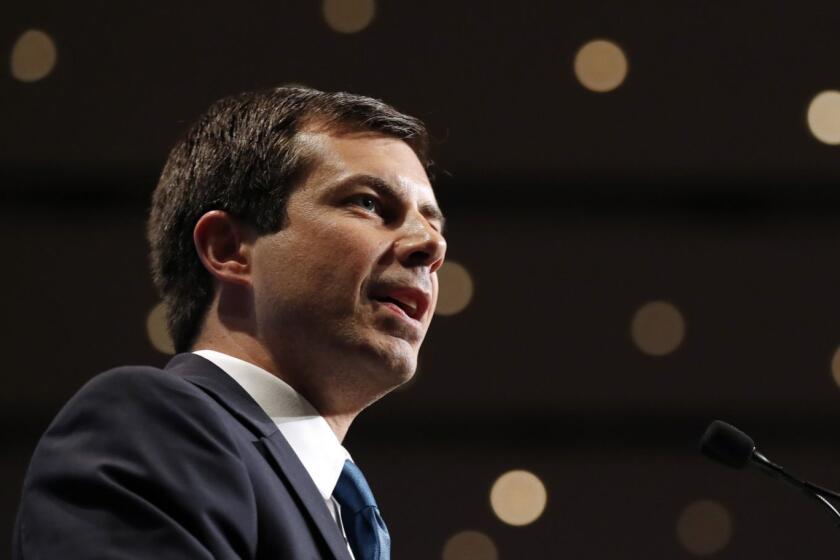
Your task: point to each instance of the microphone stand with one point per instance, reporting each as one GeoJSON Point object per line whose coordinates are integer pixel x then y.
{"type": "Point", "coordinates": [817, 492]}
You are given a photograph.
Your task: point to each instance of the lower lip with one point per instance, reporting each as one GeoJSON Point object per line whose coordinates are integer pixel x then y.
{"type": "Point", "coordinates": [397, 310]}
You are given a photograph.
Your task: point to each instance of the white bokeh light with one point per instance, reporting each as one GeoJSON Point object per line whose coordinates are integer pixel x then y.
{"type": "Point", "coordinates": [824, 117]}
{"type": "Point", "coordinates": [518, 497]}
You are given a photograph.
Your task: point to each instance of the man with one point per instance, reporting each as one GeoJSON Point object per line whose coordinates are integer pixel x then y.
{"type": "Point", "coordinates": [295, 238]}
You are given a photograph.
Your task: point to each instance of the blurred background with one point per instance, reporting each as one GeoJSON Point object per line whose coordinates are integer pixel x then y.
{"type": "Point", "coordinates": [645, 230]}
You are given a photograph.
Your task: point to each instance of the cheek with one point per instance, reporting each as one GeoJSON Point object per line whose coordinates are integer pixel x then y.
{"type": "Point", "coordinates": [332, 264]}
{"type": "Point", "coordinates": [318, 265]}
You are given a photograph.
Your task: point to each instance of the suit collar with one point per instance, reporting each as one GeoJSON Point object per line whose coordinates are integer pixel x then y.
{"type": "Point", "coordinates": [223, 389]}
{"type": "Point", "coordinates": [229, 394]}
{"type": "Point", "coordinates": [307, 432]}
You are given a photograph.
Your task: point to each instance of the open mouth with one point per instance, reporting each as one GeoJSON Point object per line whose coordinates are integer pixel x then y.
{"type": "Point", "coordinates": [409, 308]}
{"type": "Point", "coordinates": [410, 301]}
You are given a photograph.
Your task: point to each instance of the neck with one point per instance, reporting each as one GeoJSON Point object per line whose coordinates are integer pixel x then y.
{"type": "Point", "coordinates": [340, 424]}
{"type": "Point", "coordinates": [245, 348]}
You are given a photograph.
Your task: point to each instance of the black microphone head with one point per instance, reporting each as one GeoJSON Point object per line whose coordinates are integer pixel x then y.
{"type": "Point", "coordinates": [727, 444]}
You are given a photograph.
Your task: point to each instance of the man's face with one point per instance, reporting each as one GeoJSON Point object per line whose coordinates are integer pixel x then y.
{"type": "Point", "coordinates": [347, 288]}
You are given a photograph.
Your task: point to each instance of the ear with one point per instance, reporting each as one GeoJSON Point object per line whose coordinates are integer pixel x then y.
{"type": "Point", "coordinates": [224, 246]}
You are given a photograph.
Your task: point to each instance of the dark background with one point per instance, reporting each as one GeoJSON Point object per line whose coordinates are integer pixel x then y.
{"type": "Point", "coordinates": [697, 182]}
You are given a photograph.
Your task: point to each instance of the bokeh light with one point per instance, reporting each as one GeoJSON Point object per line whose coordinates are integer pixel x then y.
{"type": "Point", "coordinates": [349, 16]}
{"type": "Point", "coordinates": [157, 330]}
{"type": "Point", "coordinates": [704, 527]}
{"type": "Point", "coordinates": [456, 288]}
{"type": "Point", "coordinates": [600, 65]}
{"type": "Point", "coordinates": [470, 545]}
{"type": "Point", "coordinates": [518, 497]}
{"type": "Point", "coordinates": [824, 117]}
{"type": "Point", "coordinates": [658, 328]}
{"type": "Point", "coordinates": [33, 56]}
{"type": "Point", "coordinates": [835, 366]}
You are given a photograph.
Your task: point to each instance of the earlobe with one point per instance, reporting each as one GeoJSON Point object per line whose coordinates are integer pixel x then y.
{"type": "Point", "coordinates": [224, 246]}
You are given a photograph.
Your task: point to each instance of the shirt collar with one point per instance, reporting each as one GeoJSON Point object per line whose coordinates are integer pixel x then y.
{"type": "Point", "coordinates": [308, 434]}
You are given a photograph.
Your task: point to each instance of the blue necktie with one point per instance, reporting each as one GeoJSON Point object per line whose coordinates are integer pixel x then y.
{"type": "Point", "coordinates": [366, 532]}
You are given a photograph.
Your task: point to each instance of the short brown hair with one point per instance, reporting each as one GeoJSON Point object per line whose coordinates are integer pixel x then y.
{"type": "Point", "coordinates": [242, 156]}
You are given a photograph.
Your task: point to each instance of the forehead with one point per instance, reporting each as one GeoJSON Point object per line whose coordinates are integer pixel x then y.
{"type": "Point", "coordinates": [339, 156]}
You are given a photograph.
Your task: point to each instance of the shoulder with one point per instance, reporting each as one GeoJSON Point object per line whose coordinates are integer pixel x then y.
{"type": "Point", "coordinates": [127, 379]}
{"type": "Point", "coordinates": [120, 393]}
{"type": "Point", "coordinates": [135, 461]}
{"type": "Point", "coordinates": [127, 406]}
{"type": "Point", "coordinates": [134, 380]}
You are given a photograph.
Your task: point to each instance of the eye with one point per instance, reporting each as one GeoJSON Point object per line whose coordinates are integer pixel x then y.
{"type": "Point", "coordinates": [368, 202]}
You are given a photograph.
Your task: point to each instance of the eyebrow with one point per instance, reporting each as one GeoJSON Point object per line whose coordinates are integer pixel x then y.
{"type": "Point", "coordinates": [386, 189]}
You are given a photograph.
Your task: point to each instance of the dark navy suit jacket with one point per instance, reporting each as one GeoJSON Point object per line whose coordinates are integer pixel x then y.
{"type": "Point", "coordinates": [144, 463]}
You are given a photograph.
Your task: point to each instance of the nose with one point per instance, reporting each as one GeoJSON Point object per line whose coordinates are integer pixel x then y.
{"type": "Point", "coordinates": [420, 244]}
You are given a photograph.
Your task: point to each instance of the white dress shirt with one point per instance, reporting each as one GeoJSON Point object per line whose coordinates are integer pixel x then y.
{"type": "Point", "coordinates": [308, 434]}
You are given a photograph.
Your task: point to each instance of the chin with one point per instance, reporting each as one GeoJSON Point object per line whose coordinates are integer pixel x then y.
{"type": "Point", "coordinates": [394, 363]}
{"type": "Point", "coordinates": [400, 367]}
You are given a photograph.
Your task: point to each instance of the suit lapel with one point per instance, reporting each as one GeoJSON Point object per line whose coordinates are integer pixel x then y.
{"type": "Point", "coordinates": [301, 483]}
{"type": "Point", "coordinates": [238, 402]}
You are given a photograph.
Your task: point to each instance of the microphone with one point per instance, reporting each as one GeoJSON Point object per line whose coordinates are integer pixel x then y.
{"type": "Point", "coordinates": [727, 444]}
